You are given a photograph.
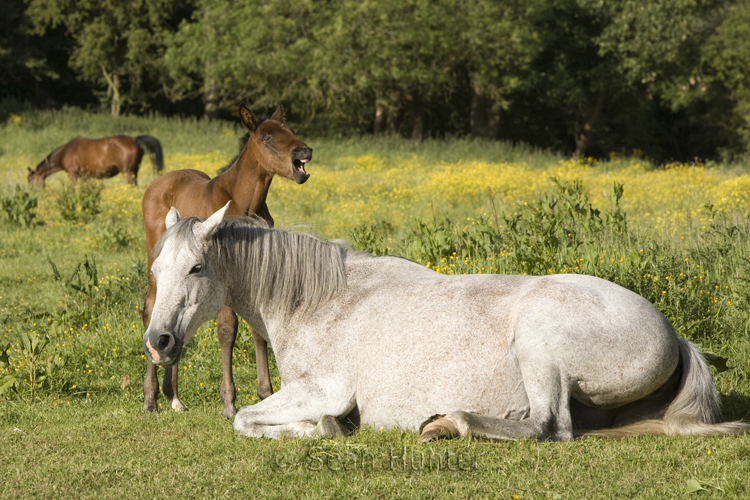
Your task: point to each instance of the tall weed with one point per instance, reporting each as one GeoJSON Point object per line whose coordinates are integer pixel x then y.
{"type": "Point", "coordinates": [20, 207]}
{"type": "Point", "coordinates": [697, 286]}
{"type": "Point", "coordinates": [80, 202]}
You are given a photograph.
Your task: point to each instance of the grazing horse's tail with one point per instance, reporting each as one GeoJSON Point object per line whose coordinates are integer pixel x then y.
{"type": "Point", "coordinates": [695, 411]}
{"type": "Point", "coordinates": [153, 145]}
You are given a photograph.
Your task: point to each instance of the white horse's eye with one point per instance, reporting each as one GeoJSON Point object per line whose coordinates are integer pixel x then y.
{"type": "Point", "coordinates": [196, 268]}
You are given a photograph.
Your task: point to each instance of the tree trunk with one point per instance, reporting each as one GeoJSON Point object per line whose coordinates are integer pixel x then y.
{"type": "Point", "coordinates": [478, 114]}
{"type": "Point", "coordinates": [394, 121]}
{"type": "Point", "coordinates": [377, 127]}
{"type": "Point", "coordinates": [210, 88]}
{"type": "Point", "coordinates": [484, 116]}
{"type": "Point", "coordinates": [417, 131]}
{"type": "Point", "coordinates": [583, 135]}
{"type": "Point", "coordinates": [113, 89]}
{"type": "Point", "coordinates": [211, 109]}
{"type": "Point", "coordinates": [493, 120]}
{"type": "Point", "coordinates": [116, 95]}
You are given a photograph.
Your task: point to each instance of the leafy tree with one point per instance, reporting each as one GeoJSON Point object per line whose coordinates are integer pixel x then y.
{"type": "Point", "coordinates": [23, 56]}
{"type": "Point", "coordinates": [242, 51]}
{"type": "Point", "coordinates": [119, 43]}
{"type": "Point", "coordinates": [726, 70]}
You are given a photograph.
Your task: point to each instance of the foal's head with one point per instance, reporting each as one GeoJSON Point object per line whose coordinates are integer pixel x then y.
{"type": "Point", "coordinates": [275, 146]}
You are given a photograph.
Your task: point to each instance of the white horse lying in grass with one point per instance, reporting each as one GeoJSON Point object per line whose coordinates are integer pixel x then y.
{"type": "Point", "coordinates": [383, 341]}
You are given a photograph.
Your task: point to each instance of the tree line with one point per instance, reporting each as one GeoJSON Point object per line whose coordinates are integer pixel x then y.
{"type": "Point", "coordinates": [667, 78]}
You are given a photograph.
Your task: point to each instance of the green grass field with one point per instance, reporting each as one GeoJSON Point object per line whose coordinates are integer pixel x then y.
{"type": "Point", "coordinates": [71, 413]}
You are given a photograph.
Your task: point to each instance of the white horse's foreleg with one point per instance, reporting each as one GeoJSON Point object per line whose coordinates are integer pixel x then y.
{"type": "Point", "coordinates": [296, 411]}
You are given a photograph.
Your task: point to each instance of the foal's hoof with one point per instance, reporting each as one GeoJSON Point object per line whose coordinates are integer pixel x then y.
{"type": "Point", "coordinates": [150, 406]}
{"type": "Point", "coordinates": [177, 405]}
{"type": "Point", "coordinates": [264, 392]}
{"type": "Point", "coordinates": [437, 427]}
{"type": "Point", "coordinates": [229, 411]}
{"type": "Point", "coordinates": [329, 426]}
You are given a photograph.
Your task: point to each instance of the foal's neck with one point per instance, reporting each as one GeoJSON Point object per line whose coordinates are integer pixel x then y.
{"type": "Point", "coordinates": [246, 182]}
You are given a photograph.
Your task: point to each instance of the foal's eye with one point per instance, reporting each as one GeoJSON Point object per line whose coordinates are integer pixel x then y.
{"type": "Point", "coordinates": [267, 138]}
{"type": "Point", "coordinates": [196, 268]}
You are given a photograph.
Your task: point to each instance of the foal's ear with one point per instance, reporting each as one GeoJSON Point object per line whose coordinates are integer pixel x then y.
{"type": "Point", "coordinates": [204, 230]}
{"type": "Point", "coordinates": [278, 115]}
{"type": "Point", "coordinates": [247, 118]}
{"type": "Point", "coordinates": [173, 217]}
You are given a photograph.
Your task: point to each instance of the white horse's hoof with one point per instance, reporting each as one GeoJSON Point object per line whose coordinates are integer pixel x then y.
{"type": "Point", "coordinates": [442, 427]}
{"type": "Point", "coordinates": [329, 426]}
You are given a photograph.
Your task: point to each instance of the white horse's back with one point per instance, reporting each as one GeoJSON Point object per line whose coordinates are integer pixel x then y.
{"type": "Point", "coordinates": [464, 333]}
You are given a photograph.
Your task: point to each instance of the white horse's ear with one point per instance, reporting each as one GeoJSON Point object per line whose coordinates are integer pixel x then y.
{"type": "Point", "coordinates": [204, 230]}
{"type": "Point", "coordinates": [173, 217]}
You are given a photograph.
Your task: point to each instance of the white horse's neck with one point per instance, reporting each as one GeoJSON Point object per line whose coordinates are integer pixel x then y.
{"type": "Point", "coordinates": [273, 275]}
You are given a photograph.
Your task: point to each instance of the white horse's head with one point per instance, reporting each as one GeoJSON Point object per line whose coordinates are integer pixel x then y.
{"type": "Point", "coordinates": [190, 289]}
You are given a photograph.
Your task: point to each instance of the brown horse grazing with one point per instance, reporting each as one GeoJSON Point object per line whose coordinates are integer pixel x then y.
{"type": "Point", "coordinates": [271, 148]}
{"type": "Point", "coordinates": [99, 158]}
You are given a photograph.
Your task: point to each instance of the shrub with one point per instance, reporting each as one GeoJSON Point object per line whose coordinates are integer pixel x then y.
{"type": "Point", "coordinates": [80, 202]}
{"type": "Point", "coordinates": [20, 207]}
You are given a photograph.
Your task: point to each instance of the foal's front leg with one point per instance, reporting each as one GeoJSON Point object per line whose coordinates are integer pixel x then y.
{"type": "Point", "coordinates": [226, 329]}
{"type": "Point", "coordinates": [169, 387]}
{"type": "Point", "coordinates": [265, 389]}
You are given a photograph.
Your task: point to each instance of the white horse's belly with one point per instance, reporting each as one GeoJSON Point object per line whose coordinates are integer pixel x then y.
{"type": "Point", "coordinates": [433, 353]}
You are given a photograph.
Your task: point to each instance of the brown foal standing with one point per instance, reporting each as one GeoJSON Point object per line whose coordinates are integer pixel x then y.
{"type": "Point", "coordinates": [271, 148]}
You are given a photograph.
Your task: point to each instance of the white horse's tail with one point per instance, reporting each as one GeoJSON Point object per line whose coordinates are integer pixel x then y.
{"type": "Point", "coordinates": [695, 411]}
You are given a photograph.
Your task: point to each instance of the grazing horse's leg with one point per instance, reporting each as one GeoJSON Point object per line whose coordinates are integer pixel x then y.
{"type": "Point", "coordinates": [226, 329]}
{"type": "Point", "coordinates": [299, 409]}
{"type": "Point", "coordinates": [265, 388]}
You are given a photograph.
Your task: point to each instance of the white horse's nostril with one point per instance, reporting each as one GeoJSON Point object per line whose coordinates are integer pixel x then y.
{"type": "Point", "coordinates": [164, 341]}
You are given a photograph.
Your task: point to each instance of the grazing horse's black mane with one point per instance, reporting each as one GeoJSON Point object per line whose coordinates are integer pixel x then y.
{"type": "Point", "coordinates": [46, 160]}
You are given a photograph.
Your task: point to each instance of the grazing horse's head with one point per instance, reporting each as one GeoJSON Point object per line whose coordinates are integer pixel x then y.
{"type": "Point", "coordinates": [275, 146]}
{"type": "Point", "coordinates": [190, 289]}
{"type": "Point", "coordinates": [37, 176]}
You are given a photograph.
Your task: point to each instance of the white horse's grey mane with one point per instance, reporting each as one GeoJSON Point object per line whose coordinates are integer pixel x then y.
{"type": "Point", "coordinates": [314, 270]}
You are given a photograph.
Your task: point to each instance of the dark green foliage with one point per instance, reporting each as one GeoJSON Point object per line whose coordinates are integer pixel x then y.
{"type": "Point", "coordinates": [696, 287]}
{"type": "Point", "coordinates": [80, 202]}
{"type": "Point", "coordinates": [84, 298]}
{"type": "Point", "coordinates": [580, 76]}
{"type": "Point", "coordinates": [367, 237]}
{"type": "Point", "coordinates": [20, 206]}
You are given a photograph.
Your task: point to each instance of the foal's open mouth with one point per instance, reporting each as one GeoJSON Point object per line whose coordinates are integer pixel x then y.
{"type": "Point", "coordinates": [298, 170]}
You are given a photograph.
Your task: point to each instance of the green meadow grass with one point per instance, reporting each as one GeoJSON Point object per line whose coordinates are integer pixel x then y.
{"type": "Point", "coordinates": [84, 432]}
